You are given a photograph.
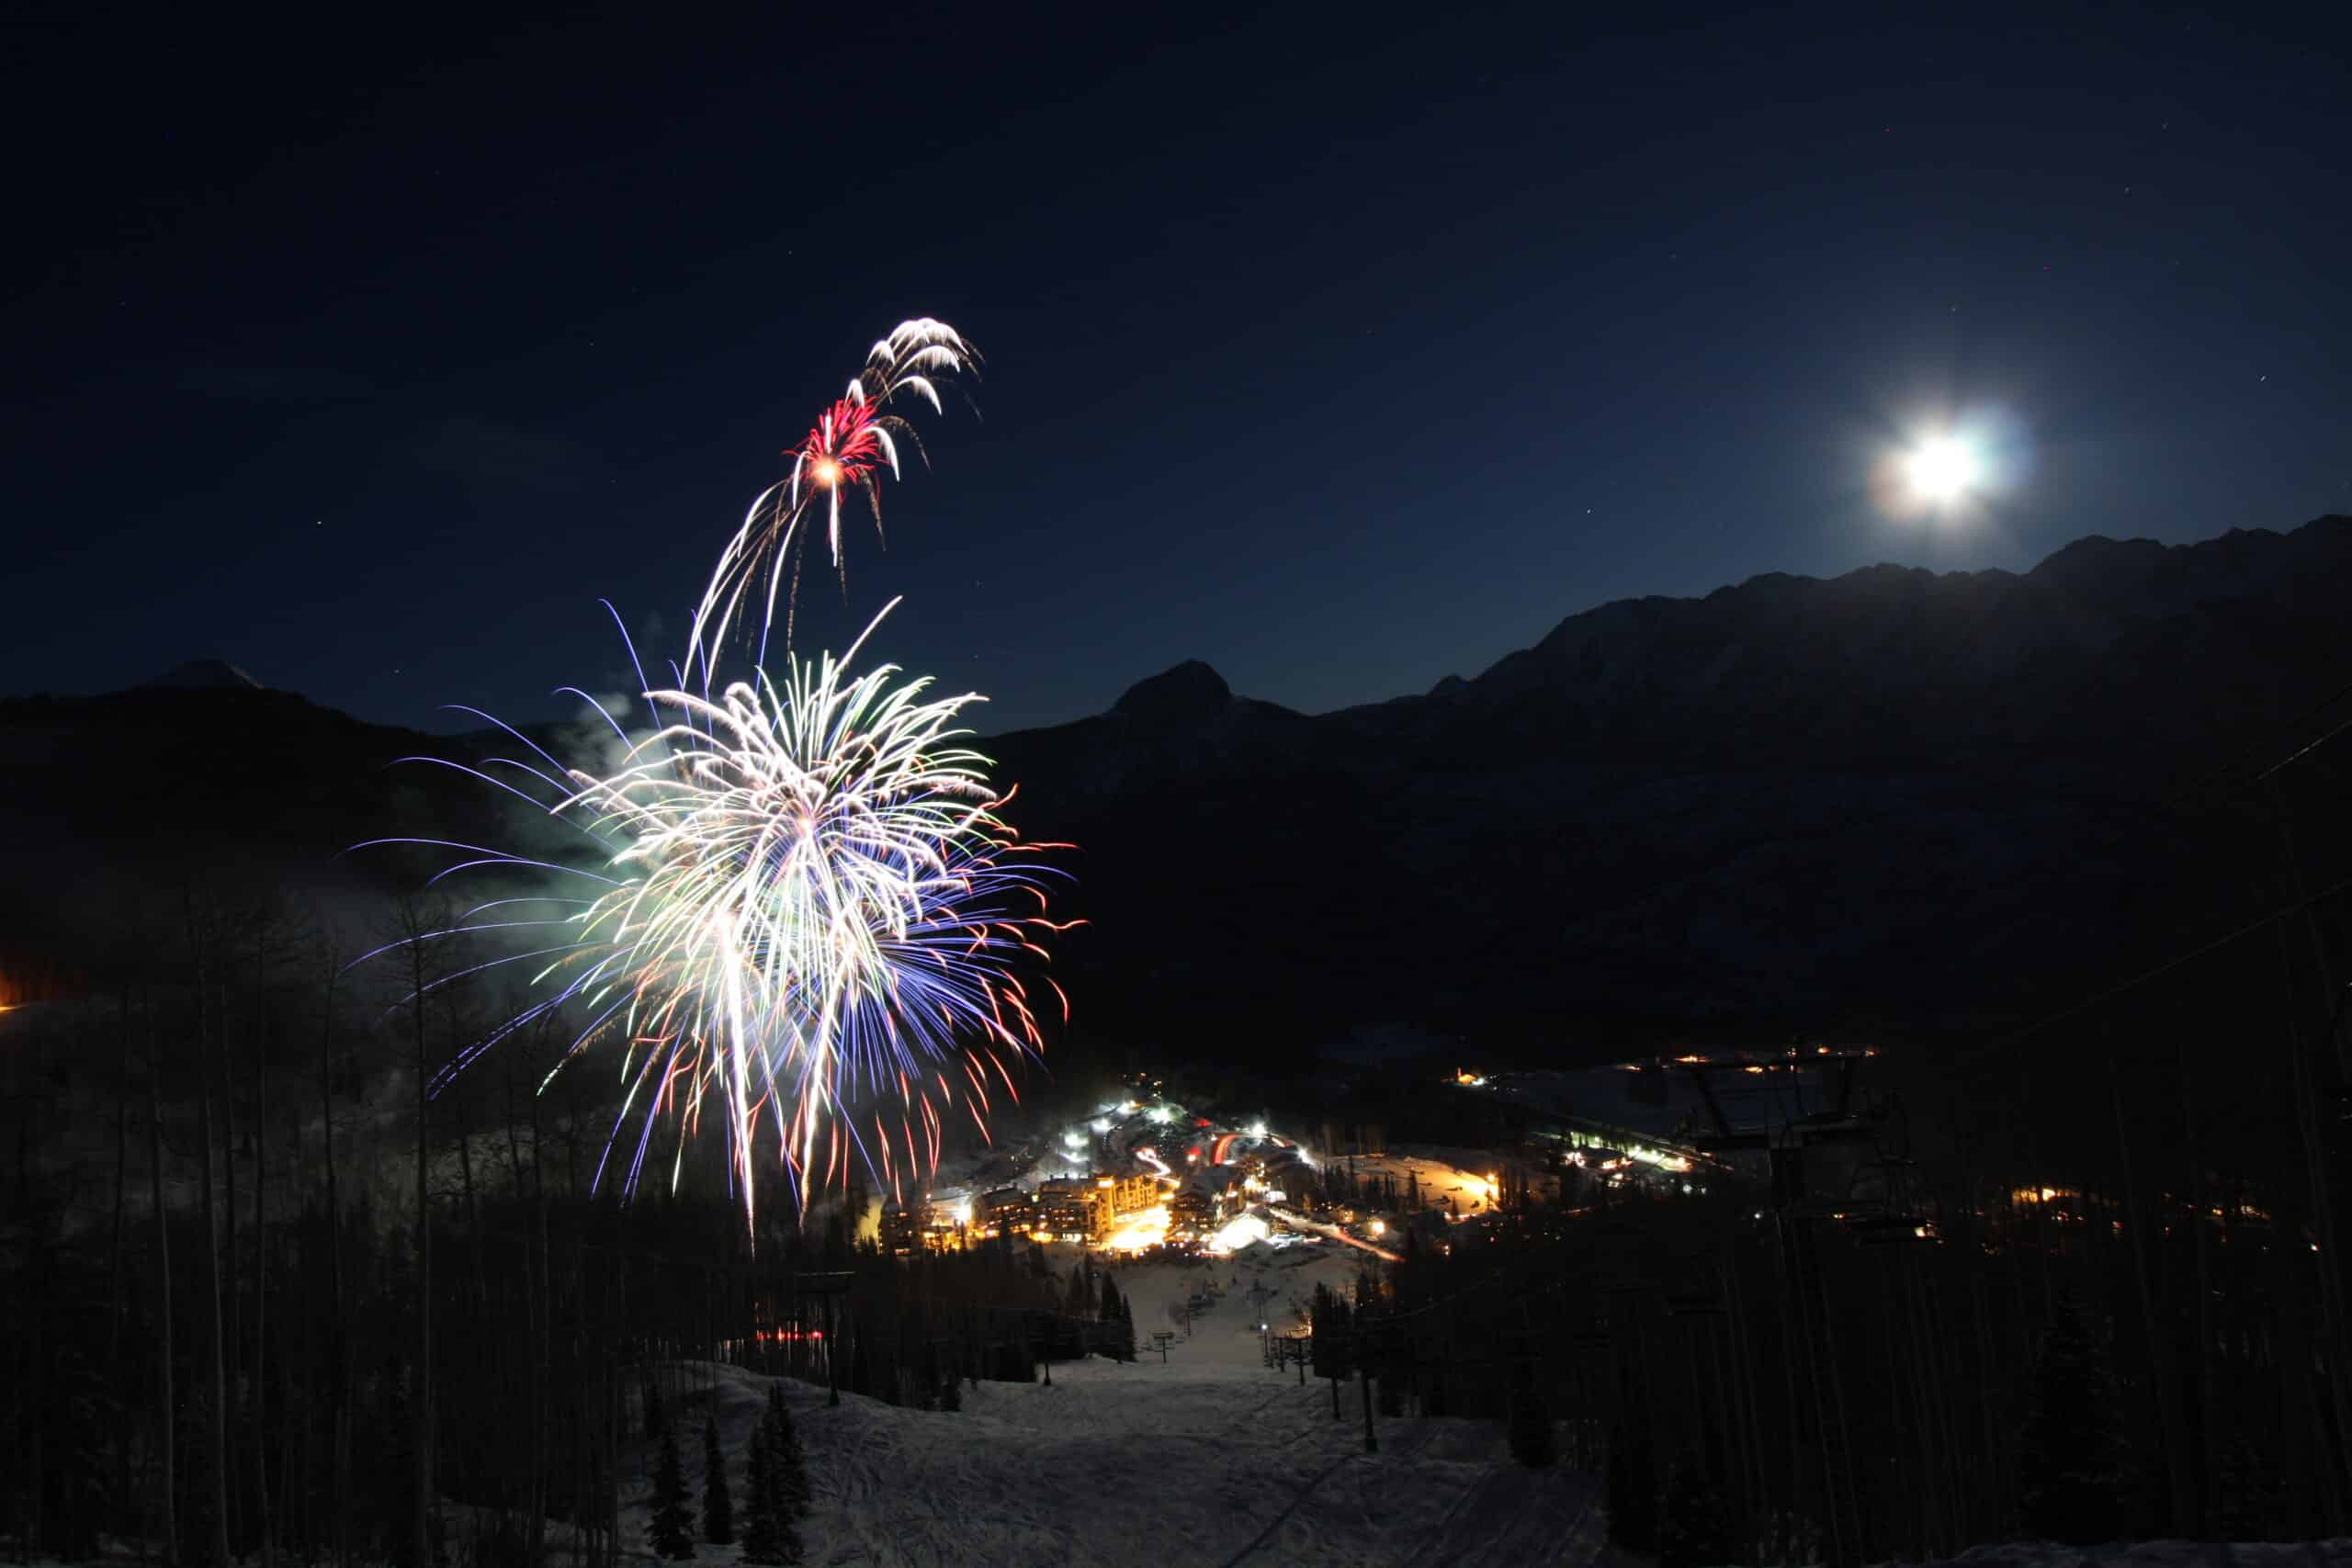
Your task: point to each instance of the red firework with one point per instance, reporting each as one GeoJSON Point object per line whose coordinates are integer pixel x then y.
{"type": "Point", "coordinates": [841, 452]}
{"type": "Point", "coordinates": [852, 443]}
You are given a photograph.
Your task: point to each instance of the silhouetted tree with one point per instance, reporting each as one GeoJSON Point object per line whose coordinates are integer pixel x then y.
{"type": "Point", "coordinates": [1632, 1492]}
{"type": "Point", "coordinates": [1533, 1442]}
{"type": "Point", "coordinates": [1694, 1527]}
{"type": "Point", "coordinates": [763, 1537]}
{"type": "Point", "coordinates": [2068, 1486]}
{"type": "Point", "coordinates": [671, 1529]}
{"type": "Point", "coordinates": [788, 1466]}
{"type": "Point", "coordinates": [717, 1507]}
{"type": "Point", "coordinates": [2246, 1495]}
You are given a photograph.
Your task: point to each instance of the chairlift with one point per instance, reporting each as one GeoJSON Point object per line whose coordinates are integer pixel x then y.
{"type": "Point", "coordinates": [1891, 1230]}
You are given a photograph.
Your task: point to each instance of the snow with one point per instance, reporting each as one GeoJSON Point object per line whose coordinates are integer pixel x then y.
{"type": "Point", "coordinates": [2157, 1554]}
{"type": "Point", "coordinates": [1210, 1459]}
{"type": "Point", "coordinates": [1459, 1175]}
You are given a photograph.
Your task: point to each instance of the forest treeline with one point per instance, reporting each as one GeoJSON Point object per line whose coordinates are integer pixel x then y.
{"type": "Point", "coordinates": [228, 1335]}
{"type": "Point", "coordinates": [2087, 1284]}
{"type": "Point", "coordinates": [262, 1292]}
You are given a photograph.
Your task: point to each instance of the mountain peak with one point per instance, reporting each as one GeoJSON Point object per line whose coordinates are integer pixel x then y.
{"type": "Point", "coordinates": [202, 675]}
{"type": "Point", "coordinates": [1188, 691]}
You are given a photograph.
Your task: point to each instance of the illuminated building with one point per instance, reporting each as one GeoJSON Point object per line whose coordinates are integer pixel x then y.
{"type": "Point", "coordinates": [1067, 1208]}
{"type": "Point", "coordinates": [1006, 1211]}
{"type": "Point", "coordinates": [1130, 1194]}
{"type": "Point", "coordinates": [933, 1226]}
{"type": "Point", "coordinates": [1191, 1214]}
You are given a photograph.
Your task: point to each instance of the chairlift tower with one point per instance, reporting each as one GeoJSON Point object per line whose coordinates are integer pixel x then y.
{"type": "Point", "coordinates": [1814, 1153]}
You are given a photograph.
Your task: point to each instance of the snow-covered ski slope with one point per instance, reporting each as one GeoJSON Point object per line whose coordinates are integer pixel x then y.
{"type": "Point", "coordinates": [1208, 1460]}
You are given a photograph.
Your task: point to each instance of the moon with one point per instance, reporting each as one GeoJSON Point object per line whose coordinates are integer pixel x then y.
{"type": "Point", "coordinates": [1944, 470]}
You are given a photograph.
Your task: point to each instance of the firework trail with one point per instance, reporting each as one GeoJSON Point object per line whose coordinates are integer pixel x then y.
{"type": "Point", "coordinates": [853, 441]}
{"type": "Point", "coordinates": [806, 910]}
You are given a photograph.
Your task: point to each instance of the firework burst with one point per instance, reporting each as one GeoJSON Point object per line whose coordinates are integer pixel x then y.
{"type": "Point", "coordinates": [806, 917]}
{"type": "Point", "coordinates": [854, 440]}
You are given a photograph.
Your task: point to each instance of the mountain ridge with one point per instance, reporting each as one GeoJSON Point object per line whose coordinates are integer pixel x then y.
{"type": "Point", "coordinates": [1892, 802]}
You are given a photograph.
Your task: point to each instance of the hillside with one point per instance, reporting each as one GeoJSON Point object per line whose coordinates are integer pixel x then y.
{"type": "Point", "coordinates": [1889, 802]}
{"type": "Point", "coordinates": [1892, 802]}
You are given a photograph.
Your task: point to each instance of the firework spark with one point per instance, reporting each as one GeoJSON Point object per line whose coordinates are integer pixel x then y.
{"type": "Point", "coordinates": [807, 915]}
{"type": "Point", "coordinates": [854, 440]}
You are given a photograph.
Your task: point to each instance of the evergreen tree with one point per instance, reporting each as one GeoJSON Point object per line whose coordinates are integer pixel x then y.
{"type": "Point", "coordinates": [788, 1469]}
{"type": "Point", "coordinates": [656, 1418]}
{"type": "Point", "coordinates": [1694, 1528]}
{"type": "Point", "coordinates": [2246, 1497]}
{"type": "Point", "coordinates": [951, 1395]}
{"type": "Point", "coordinates": [717, 1507]}
{"type": "Point", "coordinates": [671, 1530]}
{"type": "Point", "coordinates": [1533, 1442]}
{"type": "Point", "coordinates": [762, 1542]}
{"type": "Point", "coordinates": [1331, 1319]}
{"type": "Point", "coordinates": [1632, 1492]}
{"type": "Point", "coordinates": [928, 1372]}
{"type": "Point", "coordinates": [2068, 1484]}
{"type": "Point", "coordinates": [1120, 1336]}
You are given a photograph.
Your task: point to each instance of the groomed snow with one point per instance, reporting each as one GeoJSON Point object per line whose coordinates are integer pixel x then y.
{"type": "Point", "coordinates": [1208, 1460]}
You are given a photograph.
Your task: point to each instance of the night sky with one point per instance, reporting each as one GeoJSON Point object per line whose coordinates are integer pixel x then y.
{"type": "Point", "coordinates": [1342, 349]}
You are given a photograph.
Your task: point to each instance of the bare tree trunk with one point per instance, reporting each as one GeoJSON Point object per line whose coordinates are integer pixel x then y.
{"type": "Point", "coordinates": [2161, 1363]}
{"type": "Point", "coordinates": [536, 1288]}
{"type": "Point", "coordinates": [166, 1416]}
{"type": "Point", "coordinates": [466, 1179]}
{"type": "Point", "coordinates": [422, 1542]}
{"type": "Point", "coordinates": [216, 1370]}
{"type": "Point", "coordinates": [261, 1292]}
{"type": "Point", "coordinates": [2207, 1394]}
{"type": "Point", "coordinates": [234, 1334]}
{"type": "Point", "coordinates": [339, 1346]}
{"type": "Point", "coordinates": [114, 1282]}
{"type": "Point", "coordinates": [513, 1135]}
{"type": "Point", "coordinates": [2338, 1398]}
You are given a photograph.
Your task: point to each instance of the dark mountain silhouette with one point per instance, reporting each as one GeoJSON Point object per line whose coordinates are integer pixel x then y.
{"type": "Point", "coordinates": [1894, 803]}
{"type": "Point", "coordinates": [1891, 801]}
{"type": "Point", "coordinates": [203, 675]}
